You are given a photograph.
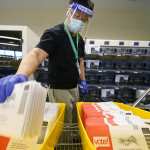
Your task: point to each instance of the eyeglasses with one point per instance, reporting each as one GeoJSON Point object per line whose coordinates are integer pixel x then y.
{"type": "Point", "coordinates": [81, 16]}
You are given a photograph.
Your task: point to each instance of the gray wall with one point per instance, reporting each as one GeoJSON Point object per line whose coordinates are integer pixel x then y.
{"type": "Point", "coordinates": [108, 23]}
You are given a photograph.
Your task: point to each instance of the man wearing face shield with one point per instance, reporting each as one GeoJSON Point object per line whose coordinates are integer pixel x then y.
{"type": "Point", "coordinates": [63, 45]}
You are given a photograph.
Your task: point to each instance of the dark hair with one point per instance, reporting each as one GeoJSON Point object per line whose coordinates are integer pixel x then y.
{"type": "Point", "coordinates": [87, 3]}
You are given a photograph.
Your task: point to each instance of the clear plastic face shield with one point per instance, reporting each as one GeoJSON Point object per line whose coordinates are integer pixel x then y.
{"type": "Point", "coordinates": [78, 19]}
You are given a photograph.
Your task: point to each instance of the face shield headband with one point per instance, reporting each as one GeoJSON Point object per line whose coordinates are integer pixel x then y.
{"type": "Point", "coordinates": [76, 6]}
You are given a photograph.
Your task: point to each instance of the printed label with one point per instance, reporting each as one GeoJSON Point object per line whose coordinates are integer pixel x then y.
{"type": "Point", "coordinates": [101, 141]}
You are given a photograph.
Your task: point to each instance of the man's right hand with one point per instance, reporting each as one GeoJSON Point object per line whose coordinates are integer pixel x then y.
{"type": "Point", "coordinates": [7, 85]}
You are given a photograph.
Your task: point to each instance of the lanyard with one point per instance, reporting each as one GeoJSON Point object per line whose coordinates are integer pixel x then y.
{"type": "Point", "coordinates": [75, 50]}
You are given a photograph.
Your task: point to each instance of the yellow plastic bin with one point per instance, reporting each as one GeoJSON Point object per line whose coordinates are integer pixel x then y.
{"type": "Point", "coordinates": [55, 131]}
{"type": "Point", "coordinates": [86, 143]}
{"type": "Point", "coordinates": [136, 111]}
{"type": "Point", "coordinates": [51, 139]}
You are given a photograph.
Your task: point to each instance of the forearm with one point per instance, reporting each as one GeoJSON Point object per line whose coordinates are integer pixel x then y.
{"type": "Point", "coordinates": [30, 63]}
{"type": "Point", "coordinates": [82, 69]}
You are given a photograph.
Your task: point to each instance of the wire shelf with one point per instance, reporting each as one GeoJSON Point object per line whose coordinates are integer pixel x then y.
{"type": "Point", "coordinates": [70, 138]}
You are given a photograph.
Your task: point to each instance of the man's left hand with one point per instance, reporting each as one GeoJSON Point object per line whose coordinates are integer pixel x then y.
{"type": "Point", "coordinates": [83, 87]}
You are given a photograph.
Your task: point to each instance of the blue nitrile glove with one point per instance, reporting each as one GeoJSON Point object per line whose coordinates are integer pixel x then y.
{"type": "Point", "coordinates": [7, 85]}
{"type": "Point", "coordinates": [83, 87]}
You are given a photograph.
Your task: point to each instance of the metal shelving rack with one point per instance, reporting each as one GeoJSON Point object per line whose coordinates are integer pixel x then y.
{"type": "Point", "coordinates": [117, 64]}
{"type": "Point", "coordinates": [70, 138]}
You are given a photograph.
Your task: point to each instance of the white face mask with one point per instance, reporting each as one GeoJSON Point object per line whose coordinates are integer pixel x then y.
{"type": "Point", "coordinates": [75, 25]}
